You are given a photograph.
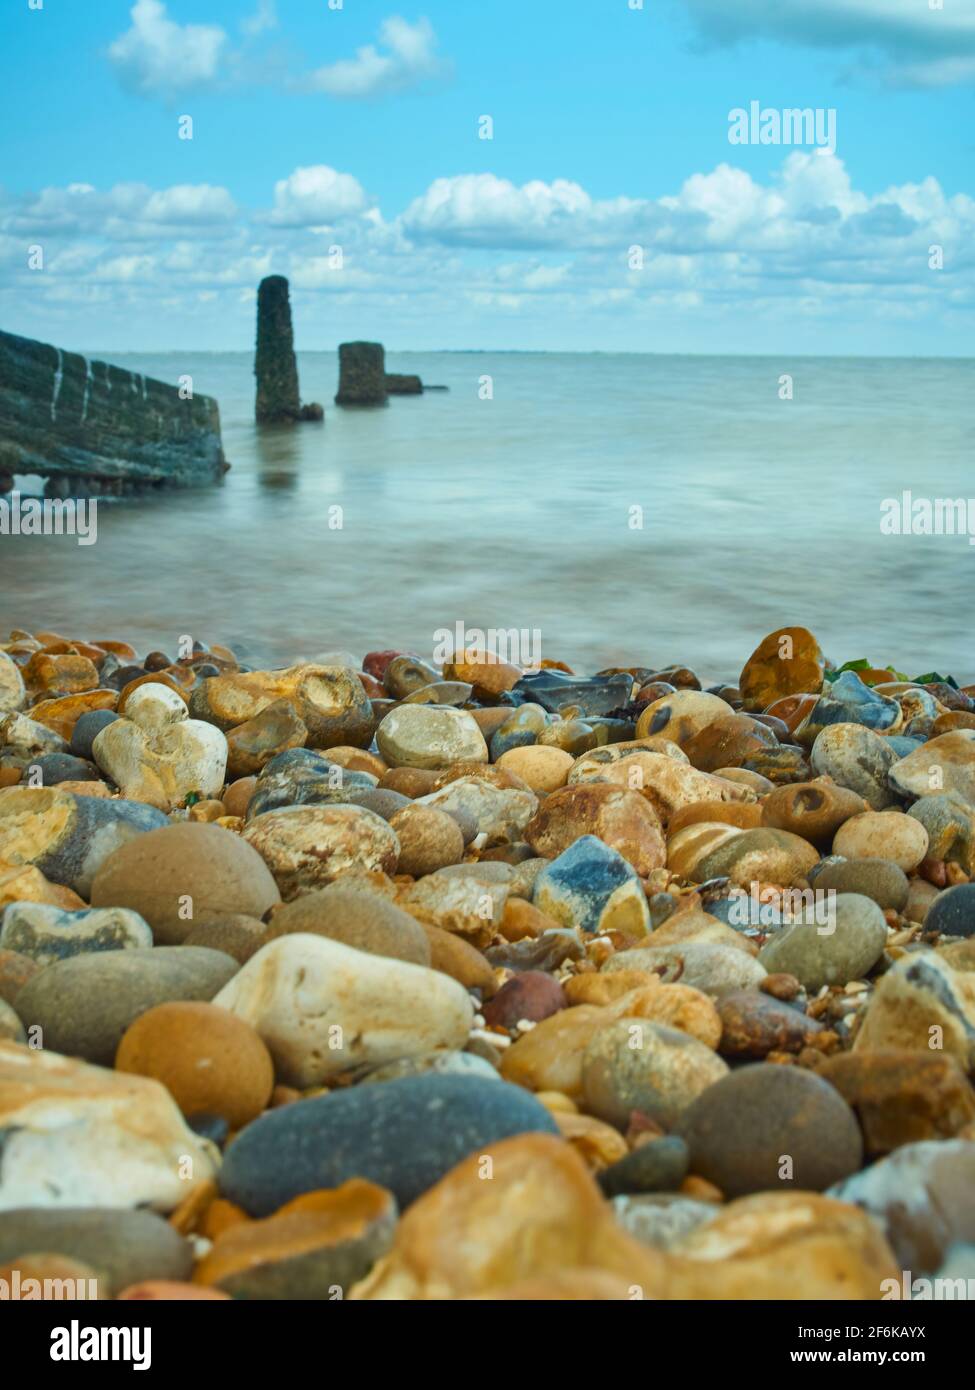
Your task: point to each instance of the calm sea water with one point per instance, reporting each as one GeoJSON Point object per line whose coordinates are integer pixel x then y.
{"type": "Point", "coordinates": [518, 511]}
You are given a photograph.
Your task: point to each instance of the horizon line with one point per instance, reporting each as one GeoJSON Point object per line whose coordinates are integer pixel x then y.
{"type": "Point", "coordinates": [559, 352]}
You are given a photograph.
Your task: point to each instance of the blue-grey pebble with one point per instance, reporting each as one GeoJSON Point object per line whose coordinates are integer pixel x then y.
{"type": "Point", "coordinates": [404, 1135]}
{"type": "Point", "coordinates": [87, 729]}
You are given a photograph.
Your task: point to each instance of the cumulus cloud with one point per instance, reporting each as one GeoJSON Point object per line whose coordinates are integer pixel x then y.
{"type": "Point", "coordinates": [483, 210]}
{"type": "Point", "coordinates": [316, 196]}
{"type": "Point", "coordinates": [910, 42]}
{"type": "Point", "coordinates": [125, 211]}
{"type": "Point", "coordinates": [158, 57]}
{"type": "Point", "coordinates": [803, 240]}
{"type": "Point", "coordinates": [406, 56]}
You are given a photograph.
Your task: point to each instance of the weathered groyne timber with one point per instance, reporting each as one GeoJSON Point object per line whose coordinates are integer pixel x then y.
{"type": "Point", "coordinates": [275, 365]}
{"type": "Point", "coordinates": [362, 374]}
{"type": "Point", "coordinates": [398, 384]}
{"type": "Point", "coordinates": [91, 427]}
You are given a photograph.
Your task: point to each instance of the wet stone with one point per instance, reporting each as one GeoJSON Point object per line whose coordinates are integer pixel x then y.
{"type": "Point", "coordinates": [739, 1130]}
{"type": "Point", "coordinates": [302, 777]}
{"type": "Point", "coordinates": [592, 886]}
{"type": "Point", "coordinates": [953, 912]}
{"type": "Point", "coordinates": [403, 1135]}
{"type": "Point", "coordinates": [786, 662]}
{"type": "Point", "coordinates": [404, 675]}
{"type": "Point", "coordinates": [124, 1246]}
{"type": "Point", "coordinates": [51, 768]}
{"type": "Point", "coordinates": [848, 701]}
{"type": "Point", "coordinates": [46, 933]}
{"type": "Point", "coordinates": [553, 691]}
{"type": "Point", "coordinates": [753, 1024]}
{"type": "Point", "coordinates": [884, 883]}
{"type": "Point", "coordinates": [531, 995]}
{"type": "Point", "coordinates": [856, 758]}
{"type": "Point", "coordinates": [84, 1004]}
{"type": "Point", "coordinates": [87, 729]}
{"type": "Point", "coordinates": [834, 951]}
{"type": "Point", "coordinates": [657, 1166]}
{"type": "Point", "coordinates": [923, 1197]}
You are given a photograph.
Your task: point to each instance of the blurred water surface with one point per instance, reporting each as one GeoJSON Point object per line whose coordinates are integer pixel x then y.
{"type": "Point", "coordinates": [518, 511]}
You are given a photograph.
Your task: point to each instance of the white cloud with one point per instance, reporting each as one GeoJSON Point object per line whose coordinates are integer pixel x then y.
{"type": "Point", "coordinates": [483, 210]}
{"type": "Point", "coordinates": [800, 246]}
{"type": "Point", "coordinates": [126, 211]}
{"type": "Point", "coordinates": [909, 41]}
{"type": "Point", "coordinates": [265, 17]}
{"type": "Point", "coordinates": [316, 196]}
{"type": "Point", "coordinates": [159, 57]}
{"type": "Point", "coordinates": [409, 57]}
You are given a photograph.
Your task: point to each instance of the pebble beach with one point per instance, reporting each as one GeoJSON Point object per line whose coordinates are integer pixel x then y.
{"type": "Point", "coordinates": [371, 977]}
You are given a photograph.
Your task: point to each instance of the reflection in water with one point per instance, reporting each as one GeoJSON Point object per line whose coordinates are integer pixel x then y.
{"type": "Point", "coordinates": [278, 454]}
{"type": "Point", "coordinates": [517, 512]}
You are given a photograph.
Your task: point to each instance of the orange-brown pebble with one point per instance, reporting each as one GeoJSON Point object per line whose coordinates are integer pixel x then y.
{"type": "Point", "coordinates": [786, 662]}
{"type": "Point", "coordinates": [191, 1212]}
{"type": "Point", "coordinates": [96, 655]}
{"type": "Point", "coordinates": [606, 989]}
{"type": "Point", "coordinates": [358, 760]}
{"type": "Point", "coordinates": [237, 797]}
{"type": "Point", "coordinates": [315, 1221]}
{"type": "Point", "coordinates": [557, 1102]}
{"type": "Point", "coordinates": [99, 789]}
{"type": "Point", "coordinates": [460, 960]}
{"type": "Point", "coordinates": [69, 675]}
{"type": "Point", "coordinates": [700, 1189]}
{"type": "Point", "coordinates": [483, 671]}
{"type": "Point", "coordinates": [746, 815]}
{"type": "Point", "coordinates": [209, 1060]}
{"type": "Point", "coordinates": [522, 920]}
{"type": "Point", "coordinates": [494, 773]}
{"type": "Point", "coordinates": [9, 776]}
{"type": "Point", "coordinates": [596, 1143]}
{"type": "Point", "coordinates": [409, 781]}
{"type": "Point", "coordinates": [429, 840]}
{"type": "Point", "coordinates": [19, 884]}
{"type": "Point", "coordinates": [62, 714]}
{"type": "Point", "coordinates": [15, 971]}
{"type": "Point", "coordinates": [125, 653]}
{"type": "Point", "coordinates": [207, 811]}
{"type": "Point", "coordinates": [490, 719]}
{"type": "Point", "coordinates": [152, 678]}
{"type": "Point", "coordinates": [954, 719]}
{"type": "Point", "coordinates": [542, 768]}
{"type": "Point", "coordinates": [221, 1216]}
{"type": "Point", "coordinates": [283, 1095]}
{"type": "Point", "coordinates": [781, 986]}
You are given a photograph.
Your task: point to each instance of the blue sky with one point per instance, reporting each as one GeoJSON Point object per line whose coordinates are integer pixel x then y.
{"type": "Point", "coordinates": [609, 211]}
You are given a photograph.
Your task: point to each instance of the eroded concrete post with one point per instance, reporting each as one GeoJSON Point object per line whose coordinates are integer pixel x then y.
{"type": "Point", "coordinates": [275, 366]}
{"type": "Point", "coordinates": [362, 374]}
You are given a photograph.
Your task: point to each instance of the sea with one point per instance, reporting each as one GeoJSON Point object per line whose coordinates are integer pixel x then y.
{"type": "Point", "coordinates": [624, 509]}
